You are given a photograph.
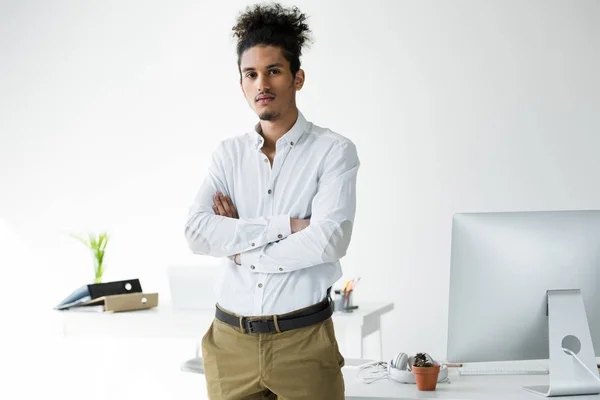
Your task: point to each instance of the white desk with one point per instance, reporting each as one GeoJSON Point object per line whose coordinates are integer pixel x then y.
{"type": "Point", "coordinates": [166, 322]}
{"type": "Point", "coordinates": [497, 387]}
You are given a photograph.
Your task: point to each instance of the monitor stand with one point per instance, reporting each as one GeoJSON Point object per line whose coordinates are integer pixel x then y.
{"type": "Point", "coordinates": [568, 328]}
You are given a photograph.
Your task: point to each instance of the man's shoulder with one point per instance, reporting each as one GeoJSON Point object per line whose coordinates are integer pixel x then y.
{"type": "Point", "coordinates": [234, 143]}
{"type": "Point", "coordinates": [327, 136]}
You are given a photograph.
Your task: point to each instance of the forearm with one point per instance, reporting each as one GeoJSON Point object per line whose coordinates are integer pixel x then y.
{"type": "Point", "coordinates": [218, 236]}
{"type": "Point", "coordinates": [296, 225]}
{"type": "Point", "coordinates": [320, 243]}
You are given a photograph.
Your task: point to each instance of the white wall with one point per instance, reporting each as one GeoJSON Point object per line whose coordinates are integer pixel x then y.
{"type": "Point", "coordinates": [109, 110]}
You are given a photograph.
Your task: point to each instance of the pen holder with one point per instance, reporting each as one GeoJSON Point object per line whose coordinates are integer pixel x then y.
{"type": "Point", "coordinates": [342, 301]}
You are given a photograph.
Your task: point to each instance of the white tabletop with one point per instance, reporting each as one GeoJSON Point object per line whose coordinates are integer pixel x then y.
{"type": "Point", "coordinates": [490, 387]}
{"type": "Point", "coordinates": [166, 322]}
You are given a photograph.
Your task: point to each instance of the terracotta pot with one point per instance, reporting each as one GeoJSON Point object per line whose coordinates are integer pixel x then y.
{"type": "Point", "coordinates": [426, 377]}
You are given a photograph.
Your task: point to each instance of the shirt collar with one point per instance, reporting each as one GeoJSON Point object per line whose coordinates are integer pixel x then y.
{"type": "Point", "coordinates": [291, 137]}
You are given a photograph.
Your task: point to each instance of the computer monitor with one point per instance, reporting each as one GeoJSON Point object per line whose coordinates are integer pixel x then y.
{"type": "Point", "coordinates": [519, 282]}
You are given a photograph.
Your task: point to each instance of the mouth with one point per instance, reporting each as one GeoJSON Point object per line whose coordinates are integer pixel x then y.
{"type": "Point", "coordinates": [265, 99]}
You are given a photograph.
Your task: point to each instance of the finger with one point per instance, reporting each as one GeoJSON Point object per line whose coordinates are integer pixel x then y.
{"type": "Point", "coordinates": [219, 205]}
{"type": "Point", "coordinates": [235, 213]}
{"type": "Point", "coordinates": [215, 207]}
{"type": "Point", "coordinates": [226, 206]}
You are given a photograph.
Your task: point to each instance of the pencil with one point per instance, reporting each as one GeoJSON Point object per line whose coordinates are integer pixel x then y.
{"type": "Point", "coordinates": [455, 365]}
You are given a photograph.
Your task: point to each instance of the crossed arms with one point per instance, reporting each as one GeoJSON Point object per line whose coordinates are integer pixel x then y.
{"type": "Point", "coordinates": [278, 244]}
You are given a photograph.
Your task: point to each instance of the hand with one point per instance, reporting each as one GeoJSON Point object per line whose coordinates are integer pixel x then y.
{"type": "Point", "coordinates": [224, 206]}
{"type": "Point", "coordinates": [297, 225]}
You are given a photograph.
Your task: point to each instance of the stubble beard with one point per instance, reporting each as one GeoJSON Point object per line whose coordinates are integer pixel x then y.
{"type": "Point", "coordinates": [268, 116]}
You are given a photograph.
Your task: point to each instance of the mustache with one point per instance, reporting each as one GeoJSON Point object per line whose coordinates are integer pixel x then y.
{"type": "Point", "coordinates": [265, 93]}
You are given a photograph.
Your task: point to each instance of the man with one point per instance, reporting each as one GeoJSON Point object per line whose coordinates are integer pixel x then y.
{"type": "Point", "coordinates": [279, 202]}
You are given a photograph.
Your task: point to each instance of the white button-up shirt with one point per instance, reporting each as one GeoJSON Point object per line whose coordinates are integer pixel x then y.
{"type": "Point", "coordinates": [313, 176]}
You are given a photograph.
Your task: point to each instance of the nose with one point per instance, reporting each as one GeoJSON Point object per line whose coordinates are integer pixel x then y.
{"type": "Point", "coordinates": [262, 83]}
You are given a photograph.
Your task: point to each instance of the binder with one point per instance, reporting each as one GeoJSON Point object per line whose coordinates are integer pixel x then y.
{"type": "Point", "coordinates": [116, 287]}
{"type": "Point", "coordinates": [94, 291]}
{"type": "Point", "coordinates": [120, 302]}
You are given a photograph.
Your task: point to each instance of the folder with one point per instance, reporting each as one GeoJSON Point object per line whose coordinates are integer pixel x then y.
{"type": "Point", "coordinates": [120, 302]}
{"type": "Point", "coordinates": [94, 291]}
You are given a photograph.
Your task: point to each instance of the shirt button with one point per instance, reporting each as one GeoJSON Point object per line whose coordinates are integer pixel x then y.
{"type": "Point", "coordinates": [280, 236]}
{"type": "Point", "coordinates": [266, 160]}
{"type": "Point", "coordinates": [292, 143]}
{"type": "Point", "coordinates": [281, 269]}
{"type": "Point", "coordinates": [270, 191]}
{"type": "Point", "coordinates": [260, 285]}
{"type": "Point", "coordinates": [252, 267]}
{"type": "Point", "coordinates": [252, 244]}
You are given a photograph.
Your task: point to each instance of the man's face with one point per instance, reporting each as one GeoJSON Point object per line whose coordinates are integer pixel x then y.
{"type": "Point", "coordinates": [267, 82]}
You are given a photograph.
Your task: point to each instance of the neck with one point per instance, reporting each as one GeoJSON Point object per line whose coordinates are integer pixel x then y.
{"type": "Point", "coordinates": [273, 130]}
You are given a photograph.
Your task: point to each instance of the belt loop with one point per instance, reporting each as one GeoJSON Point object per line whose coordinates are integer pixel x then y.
{"type": "Point", "coordinates": [241, 325]}
{"type": "Point", "coordinates": [276, 324]}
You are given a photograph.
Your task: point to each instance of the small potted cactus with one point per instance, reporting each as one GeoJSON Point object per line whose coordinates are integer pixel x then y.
{"type": "Point", "coordinates": [426, 372]}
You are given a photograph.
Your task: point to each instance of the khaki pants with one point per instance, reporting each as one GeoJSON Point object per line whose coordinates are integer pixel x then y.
{"type": "Point", "coordinates": [302, 363]}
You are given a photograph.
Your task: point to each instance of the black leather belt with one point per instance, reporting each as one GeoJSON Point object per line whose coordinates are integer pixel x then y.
{"type": "Point", "coordinates": [278, 323]}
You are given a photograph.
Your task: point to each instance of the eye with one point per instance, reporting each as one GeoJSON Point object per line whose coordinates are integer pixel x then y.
{"type": "Point", "coordinates": [274, 72]}
{"type": "Point", "coordinates": [251, 75]}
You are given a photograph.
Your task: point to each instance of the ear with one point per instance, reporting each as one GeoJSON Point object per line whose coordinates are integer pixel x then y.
{"type": "Point", "coordinates": [299, 79]}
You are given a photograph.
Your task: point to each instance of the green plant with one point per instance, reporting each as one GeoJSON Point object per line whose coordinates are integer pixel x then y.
{"type": "Point", "coordinates": [421, 360]}
{"type": "Point", "coordinates": [97, 244]}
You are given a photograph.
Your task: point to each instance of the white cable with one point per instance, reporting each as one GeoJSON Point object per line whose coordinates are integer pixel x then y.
{"type": "Point", "coordinates": [581, 362]}
{"type": "Point", "coordinates": [379, 371]}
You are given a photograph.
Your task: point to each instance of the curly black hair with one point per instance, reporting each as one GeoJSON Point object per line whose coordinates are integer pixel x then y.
{"type": "Point", "coordinates": [273, 25]}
